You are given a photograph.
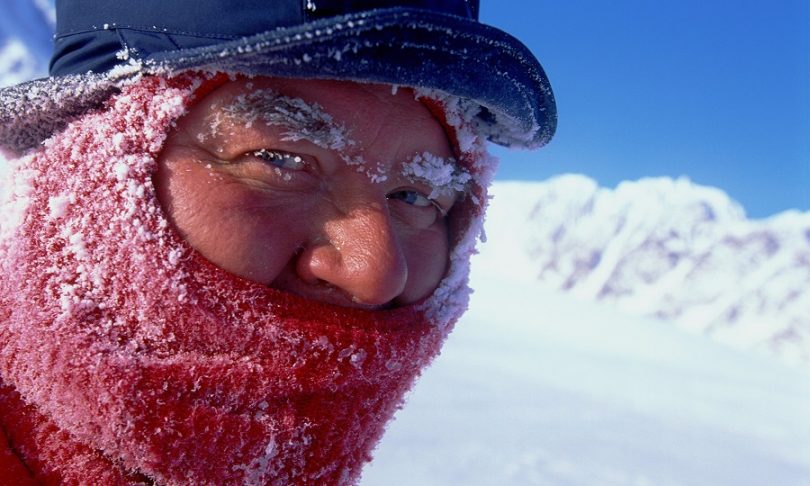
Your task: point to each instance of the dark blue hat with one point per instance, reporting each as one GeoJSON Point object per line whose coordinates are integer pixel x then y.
{"type": "Point", "coordinates": [437, 44]}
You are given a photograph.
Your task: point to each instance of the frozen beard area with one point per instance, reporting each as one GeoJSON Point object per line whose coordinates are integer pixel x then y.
{"type": "Point", "coordinates": [143, 360]}
{"type": "Point", "coordinates": [537, 387]}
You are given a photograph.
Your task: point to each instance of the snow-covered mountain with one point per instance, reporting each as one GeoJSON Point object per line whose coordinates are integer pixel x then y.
{"type": "Point", "coordinates": [16, 63]}
{"type": "Point", "coordinates": [26, 27]}
{"type": "Point", "coordinates": [541, 387]}
{"type": "Point", "coordinates": [670, 249]}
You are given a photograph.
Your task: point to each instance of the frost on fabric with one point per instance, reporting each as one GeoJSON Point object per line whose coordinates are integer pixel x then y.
{"type": "Point", "coordinates": [470, 176]}
{"type": "Point", "coordinates": [520, 111]}
{"type": "Point", "coordinates": [16, 186]}
{"type": "Point", "coordinates": [518, 108]}
{"type": "Point", "coordinates": [130, 68]}
{"type": "Point", "coordinates": [152, 360]}
{"type": "Point", "coordinates": [475, 170]}
{"type": "Point", "coordinates": [259, 471]}
{"type": "Point", "coordinates": [31, 112]}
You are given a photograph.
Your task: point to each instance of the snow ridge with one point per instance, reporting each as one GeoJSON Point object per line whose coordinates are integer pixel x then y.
{"type": "Point", "coordinates": [672, 249]}
{"type": "Point", "coordinates": [26, 30]}
{"type": "Point", "coordinates": [16, 63]}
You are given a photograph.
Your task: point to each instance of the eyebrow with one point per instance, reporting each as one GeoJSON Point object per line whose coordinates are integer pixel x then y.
{"type": "Point", "coordinates": [302, 120]}
{"type": "Point", "coordinates": [444, 175]}
{"type": "Point", "coordinates": [299, 119]}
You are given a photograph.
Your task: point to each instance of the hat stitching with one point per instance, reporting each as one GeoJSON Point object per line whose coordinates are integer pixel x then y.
{"type": "Point", "coordinates": [150, 29]}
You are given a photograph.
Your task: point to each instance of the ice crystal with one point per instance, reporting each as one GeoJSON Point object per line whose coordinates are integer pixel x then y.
{"type": "Point", "coordinates": [299, 119]}
{"type": "Point", "coordinates": [443, 175]}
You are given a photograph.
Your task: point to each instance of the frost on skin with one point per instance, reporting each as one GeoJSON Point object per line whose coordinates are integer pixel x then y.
{"type": "Point", "coordinates": [470, 175]}
{"type": "Point", "coordinates": [443, 175]}
{"type": "Point", "coordinates": [301, 120]}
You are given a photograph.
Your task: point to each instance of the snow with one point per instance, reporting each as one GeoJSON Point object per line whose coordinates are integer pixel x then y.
{"type": "Point", "coordinates": [442, 175]}
{"type": "Point", "coordinates": [16, 63]}
{"type": "Point", "coordinates": [538, 387]}
{"type": "Point", "coordinates": [670, 249]}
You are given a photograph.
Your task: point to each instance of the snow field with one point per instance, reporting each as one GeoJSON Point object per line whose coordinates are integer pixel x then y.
{"type": "Point", "coordinates": [536, 387]}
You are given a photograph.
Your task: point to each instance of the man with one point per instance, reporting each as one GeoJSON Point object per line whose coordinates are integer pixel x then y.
{"type": "Point", "coordinates": [228, 253]}
{"type": "Point", "coordinates": [364, 234]}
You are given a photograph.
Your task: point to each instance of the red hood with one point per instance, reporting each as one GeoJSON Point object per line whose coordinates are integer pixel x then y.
{"type": "Point", "coordinates": [148, 360]}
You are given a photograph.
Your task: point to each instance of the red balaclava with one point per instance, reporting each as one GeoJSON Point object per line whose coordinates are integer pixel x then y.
{"type": "Point", "coordinates": [127, 358]}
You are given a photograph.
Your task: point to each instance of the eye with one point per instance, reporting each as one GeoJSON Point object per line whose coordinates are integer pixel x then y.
{"type": "Point", "coordinates": [418, 209]}
{"type": "Point", "coordinates": [274, 169]}
{"type": "Point", "coordinates": [414, 198]}
{"type": "Point", "coordinates": [282, 160]}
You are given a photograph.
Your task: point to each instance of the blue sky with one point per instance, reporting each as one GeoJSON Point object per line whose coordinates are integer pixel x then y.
{"type": "Point", "coordinates": [718, 91]}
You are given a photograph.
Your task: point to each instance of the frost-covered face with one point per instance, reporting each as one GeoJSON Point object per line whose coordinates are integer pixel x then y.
{"type": "Point", "coordinates": [325, 189]}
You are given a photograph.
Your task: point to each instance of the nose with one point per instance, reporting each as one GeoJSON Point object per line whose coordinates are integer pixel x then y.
{"type": "Point", "coordinates": [359, 253]}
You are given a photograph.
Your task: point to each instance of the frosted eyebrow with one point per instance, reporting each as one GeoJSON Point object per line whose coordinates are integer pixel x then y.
{"type": "Point", "coordinates": [299, 119]}
{"type": "Point", "coordinates": [443, 175]}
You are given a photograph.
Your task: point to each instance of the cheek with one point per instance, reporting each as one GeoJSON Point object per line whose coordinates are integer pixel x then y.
{"type": "Point", "coordinates": [228, 223]}
{"type": "Point", "coordinates": [427, 254]}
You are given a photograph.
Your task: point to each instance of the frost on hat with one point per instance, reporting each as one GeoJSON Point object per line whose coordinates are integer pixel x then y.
{"type": "Point", "coordinates": [422, 44]}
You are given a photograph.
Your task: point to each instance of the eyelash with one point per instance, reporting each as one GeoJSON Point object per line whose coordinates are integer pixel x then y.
{"type": "Point", "coordinates": [399, 193]}
{"type": "Point", "coordinates": [281, 159]}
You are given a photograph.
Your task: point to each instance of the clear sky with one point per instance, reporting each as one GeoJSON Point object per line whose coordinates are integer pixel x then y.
{"type": "Point", "coordinates": [715, 90]}
{"type": "Point", "coordinates": [718, 91]}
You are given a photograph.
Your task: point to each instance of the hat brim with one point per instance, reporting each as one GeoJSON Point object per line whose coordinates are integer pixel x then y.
{"type": "Point", "coordinates": [399, 46]}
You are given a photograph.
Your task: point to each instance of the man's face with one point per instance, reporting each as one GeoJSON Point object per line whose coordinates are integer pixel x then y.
{"type": "Point", "coordinates": [314, 187]}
